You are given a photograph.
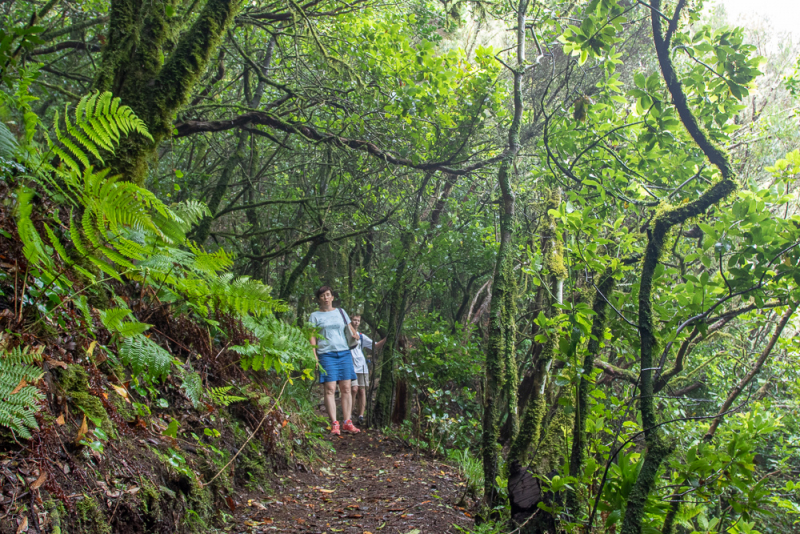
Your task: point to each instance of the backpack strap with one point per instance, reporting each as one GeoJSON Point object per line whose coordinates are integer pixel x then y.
{"type": "Point", "coordinates": [342, 314]}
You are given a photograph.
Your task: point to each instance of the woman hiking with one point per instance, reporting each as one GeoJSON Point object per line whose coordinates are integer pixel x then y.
{"type": "Point", "coordinates": [333, 356]}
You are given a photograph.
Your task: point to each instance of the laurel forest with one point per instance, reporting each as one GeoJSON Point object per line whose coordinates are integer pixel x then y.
{"type": "Point", "coordinates": [574, 227]}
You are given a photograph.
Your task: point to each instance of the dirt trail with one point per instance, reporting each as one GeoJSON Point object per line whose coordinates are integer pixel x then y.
{"type": "Point", "coordinates": [370, 484]}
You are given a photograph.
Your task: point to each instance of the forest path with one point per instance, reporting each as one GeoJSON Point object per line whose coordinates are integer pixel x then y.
{"type": "Point", "coordinates": [370, 484]}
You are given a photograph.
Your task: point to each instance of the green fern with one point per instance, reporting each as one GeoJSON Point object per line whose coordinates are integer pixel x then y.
{"type": "Point", "coordinates": [8, 143]}
{"type": "Point", "coordinates": [19, 402]}
{"type": "Point", "coordinates": [118, 229]}
{"type": "Point", "coordinates": [145, 356]}
{"type": "Point", "coordinates": [100, 121]}
{"type": "Point", "coordinates": [220, 397]}
{"type": "Point", "coordinates": [193, 387]}
{"type": "Point", "coordinates": [113, 320]}
{"type": "Point", "coordinates": [280, 346]}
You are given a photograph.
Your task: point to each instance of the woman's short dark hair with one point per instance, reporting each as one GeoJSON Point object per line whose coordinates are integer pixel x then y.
{"type": "Point", "coordinates": [322, 290]}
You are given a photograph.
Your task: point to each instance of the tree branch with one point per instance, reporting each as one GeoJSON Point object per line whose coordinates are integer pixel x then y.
{"type": "Point", "coordinates": [312, 134]}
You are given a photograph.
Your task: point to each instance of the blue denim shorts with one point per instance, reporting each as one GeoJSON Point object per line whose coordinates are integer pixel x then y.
{"type": "Point", "coordinates": [336, 366]}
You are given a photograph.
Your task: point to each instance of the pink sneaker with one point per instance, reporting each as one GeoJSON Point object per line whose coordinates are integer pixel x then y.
{"type": "Point", "coordinates": [350, 428]}
{"type": "Point", "coordinates": [335, 428]}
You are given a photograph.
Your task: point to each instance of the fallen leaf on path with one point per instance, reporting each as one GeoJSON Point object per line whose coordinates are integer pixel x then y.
{"type": "Point", "coordinates": [82, 430]}
{"type": "Point", "coordinates": [57, 363]}
{"type": "Point", "coordinates": [121, 392]}
{"type": "Point", "coordinates": [60, 420]}
{"type": "Point", "coordinates": [23, 527]}
{"type": "Point", "coordinates": [326, 490]}
{"type": "Point", "coordinates": [230, 503]}
{"type": "Point", "coordinates": [39, 481]}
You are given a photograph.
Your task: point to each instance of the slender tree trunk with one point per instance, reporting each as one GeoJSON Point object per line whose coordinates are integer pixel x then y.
{"type": "Point", "coordinates": [657, 448]}
{"type": "Point", "coordinates": [500, 358]}
{"type": "Point", "coordinates": [535, 408]}
{"type": "Point", "coordinates": [383, 400]}
{"type": "Point", "coordinates": [577, 454]}
{"type": "Point", "coordinates": [204, 228]}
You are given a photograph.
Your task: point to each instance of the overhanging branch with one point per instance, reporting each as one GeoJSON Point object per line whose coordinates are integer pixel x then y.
{"type": "Point", "coordinates": [310, 133]}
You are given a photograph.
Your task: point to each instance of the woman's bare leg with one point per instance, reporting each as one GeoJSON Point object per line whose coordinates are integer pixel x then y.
{"type": "Point", "coordinates": [347, 399]}
{"type": "Point", "coordinates": [329, 393]}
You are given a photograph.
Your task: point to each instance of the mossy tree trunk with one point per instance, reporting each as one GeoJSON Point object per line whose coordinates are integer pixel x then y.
{"type": "Point", "coordinates": [501, 364]}
{"type": "Point", "coordinates": [657, 447]}
{"type": "Point", "coordinates": [533, 416]}
{"type": "Point", "coordinates": [135, 66]}
{"type": "Point", "coordinates": [382, 414]}
{"type": "Point", "coordinates": [577, 453]}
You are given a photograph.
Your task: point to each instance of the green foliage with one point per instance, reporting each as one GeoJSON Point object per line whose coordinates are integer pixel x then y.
{"type": "Point", "coordinates": [19, 401]}
{"type": "Point", "coordinates": [192, 386]}
{"type": "Point", "coordinates": [145, 356]}
{"type": "Point", "coordinates": [282, 347]}
{"type": "Point", "coordinates": [121, 229]}
{"type": "Point", "coordinates": [8, 143]}
{"type": "Point", "coordinates": [100, 121]}
{"type": "Point", "coordinates": [220, 397]}
{"type": "Point", "coordinates": [13, 40]}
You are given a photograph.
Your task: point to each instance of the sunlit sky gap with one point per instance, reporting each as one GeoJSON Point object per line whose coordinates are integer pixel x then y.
{"type": "Point", "coordinates": [783, 15]}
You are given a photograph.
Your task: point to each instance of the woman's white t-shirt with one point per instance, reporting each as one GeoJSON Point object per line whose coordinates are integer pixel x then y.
{"type": "Point", "coordinates": [331, 328]}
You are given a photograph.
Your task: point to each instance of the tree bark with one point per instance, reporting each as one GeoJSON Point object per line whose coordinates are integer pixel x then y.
{"type": "Point", "coordinates": [500, 358]}
{"type": "Point", "coordinates": [131, 67]}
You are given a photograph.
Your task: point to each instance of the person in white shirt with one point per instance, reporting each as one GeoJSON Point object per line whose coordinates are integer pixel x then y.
{"type": "Point", "coordinates": [359, 386]}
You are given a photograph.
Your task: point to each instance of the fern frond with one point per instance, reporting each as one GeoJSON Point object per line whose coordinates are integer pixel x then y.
{"type": "Point", "coordinates": [33, 246]}
{"type": "Point", "coordinates": [220, 396]}
{"type": "Point", "coordinates": [106, 268]}
{"type": "Point", "coordinates": [145, 356]}
{"type": "Point", "coordinates": [75, 236]}
{"type": "Point", "coordinates": [88, 274]}
{"type": "Point", "coordinates": [113, 318]}
{"type": "Point", "coordinates": [193, 387]}
{"type": "Point", "coordinates": [65, 158]}
{"type": "Point", "coordinates": [17, 410]}
{"type": "Point", "coordinates": [280, 346]}
{"type": "Point", "coordinates": [62, 252]}
{"type": "Point", "coordinates": [8, 143]}
{"type": "Point", "coordinates": [209, 262]}
{"type": "Point", "coordinates": [79, 154]}
{"type": "Point", "coordinates": [83, 305]}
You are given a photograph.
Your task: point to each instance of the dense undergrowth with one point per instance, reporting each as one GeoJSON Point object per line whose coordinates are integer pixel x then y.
{"type": "Point", "coordinates": [135, 368]}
